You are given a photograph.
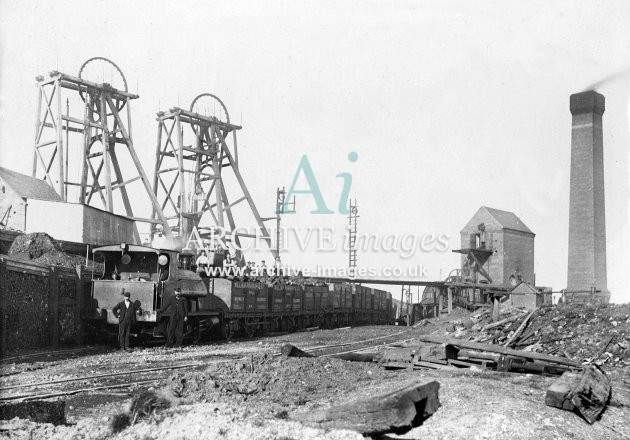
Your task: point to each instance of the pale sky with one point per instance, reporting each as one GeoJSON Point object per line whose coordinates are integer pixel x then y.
{"type": "Point", "coordinates": [449, 105]}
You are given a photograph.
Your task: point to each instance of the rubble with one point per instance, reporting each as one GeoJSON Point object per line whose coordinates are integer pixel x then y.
{"type": "Point", "coordinates": [286, 381]}
{"type": "Point", "coordinates": [593, 333]}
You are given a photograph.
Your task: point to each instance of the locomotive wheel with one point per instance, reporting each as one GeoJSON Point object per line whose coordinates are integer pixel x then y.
{"type": "Point", "coordinates": [249, 327]}
{"type": "Point", "coordinates": [291, 324]}
{"type": "Point", "coordinates": [227, 331]}
{"type": "Point", "coordinates": [328, 322]}
{"type": "Point", "coordinates": [318, 321]}
{"type": "Point", "coordinates": [285, 324]}
{"type": "Point", "coordinates": [195, 330]}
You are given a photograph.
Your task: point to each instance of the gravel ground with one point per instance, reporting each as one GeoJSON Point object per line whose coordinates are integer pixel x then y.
{"type": "Point", "coordinates": [243, 391]}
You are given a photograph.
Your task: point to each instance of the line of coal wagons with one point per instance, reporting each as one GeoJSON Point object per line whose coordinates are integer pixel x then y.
{"type": "Point", "coordinates": [288, 307]}
{"type": "Point", "coordinates": [221, 305]}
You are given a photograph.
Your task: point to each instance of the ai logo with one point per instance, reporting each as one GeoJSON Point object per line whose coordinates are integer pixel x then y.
{"type": "Point", "coordinates": [313, 188]}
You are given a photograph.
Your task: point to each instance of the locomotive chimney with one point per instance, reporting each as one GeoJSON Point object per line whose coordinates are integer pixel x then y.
{"type": "Point", "coordinates": [587, 219]}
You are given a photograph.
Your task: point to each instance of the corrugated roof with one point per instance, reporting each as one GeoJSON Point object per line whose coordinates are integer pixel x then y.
{"type": "Point", "coordinates": [508, 220]}
{"type": "Point", "coordinates": [28, 187]}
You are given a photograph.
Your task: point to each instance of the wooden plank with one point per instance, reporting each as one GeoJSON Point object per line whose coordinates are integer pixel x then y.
{"type": "Point", "coordinates": [592, 393]}
{"type": "Point", "coordinates": [498, 349]}
{"type": "Point", "coordinates": [397, 411]}
{"type": "Point", "coordinates": [143, 177]}
{"type": "Point", "coordinates": [557, 393]}
{"type": "Point", "coordinates": [74, 83]}
{"type": "Point", "coordinates": [123, 192]}
{"type": "Point", "coordinates": [520, 328]}
{"type": "Point", "coordinates": [78, 298]}
{"type": "Point", "coordinates": [26, 267]}
{"type": "Point", "coordinates": [289, 350]}
{"type": "Point", "coordinates": [500, 323]}
{"type": "Point", "coordinates": [449, 292]}
{"type": "Point", "coordinates": [359, 357]}
{"type": "Point", "coordinates": [463, 364]}
{"type": "Point", "coordinates": [480, 355]}
{"type": "Point", "coordinates": [61, 167]}
{"type": "Point", "coordinates": [587, 392]}
{"type": "Point", "coordinates": [37, 131]}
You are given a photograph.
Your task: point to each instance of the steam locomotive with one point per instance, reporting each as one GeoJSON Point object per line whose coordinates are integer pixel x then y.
{"type": "Point", "coordinates": [226, 307]}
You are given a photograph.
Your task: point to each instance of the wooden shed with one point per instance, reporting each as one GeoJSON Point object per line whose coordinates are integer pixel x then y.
{"type": "Point", "coordinates": [529, 297]}
{"type": "Point", "coordinates": [16, 190]}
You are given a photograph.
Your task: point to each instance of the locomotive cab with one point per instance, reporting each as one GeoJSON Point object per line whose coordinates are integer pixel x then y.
{"type": "Point", "coordinates": [143, 271]}
{"type": "Point", "coordinates": [150, 275]}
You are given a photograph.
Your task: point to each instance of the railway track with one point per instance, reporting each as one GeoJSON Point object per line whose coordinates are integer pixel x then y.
{"type": "Point", "coordinates": [147, 376]}
{"type": "Point", "coordinates": [30, 357]}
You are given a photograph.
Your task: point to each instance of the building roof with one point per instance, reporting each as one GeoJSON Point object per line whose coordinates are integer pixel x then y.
{"type": "Point", "coordinates": [524, 288]}
{"type": "Point", "coordinates": [497, 219]}
{"type": "Point", "coordinates": [508, 220]}
{"type": "Point", "coordinates": [28, 187]}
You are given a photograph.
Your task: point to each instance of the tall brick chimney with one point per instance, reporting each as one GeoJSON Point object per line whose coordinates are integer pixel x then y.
{"type": "Point", "coordinates": [587, 219]}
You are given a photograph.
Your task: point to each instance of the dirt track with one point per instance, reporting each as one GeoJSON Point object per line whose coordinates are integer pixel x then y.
{"type": "Point", "coordinates": [256, 395]}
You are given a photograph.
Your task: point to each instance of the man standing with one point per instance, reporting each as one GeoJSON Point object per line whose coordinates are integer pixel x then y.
{"type": "Point", "coordinates": [178, 309]}
{"type": "Point", "coordinates": [202, 263]}
{"type": "Point", "coordinates": [125, 311]}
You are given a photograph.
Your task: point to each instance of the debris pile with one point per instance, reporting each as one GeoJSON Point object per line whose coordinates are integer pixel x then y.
{"type": "Point", "coordinates": [594, 333]}
{"type": "Point", "coordinates": [286, 381]}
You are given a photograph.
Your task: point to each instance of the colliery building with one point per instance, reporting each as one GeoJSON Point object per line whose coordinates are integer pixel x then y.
{"type": "Point", "coordinates": [497, 248]}
{"type": "Point", "coordinates": [16, 190]}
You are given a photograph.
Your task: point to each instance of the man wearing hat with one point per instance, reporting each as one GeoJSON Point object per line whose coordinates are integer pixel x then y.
{"type": "Point", "coordinates": [178, 309]}
{"type": "Point", "coordinates": [125, 311]}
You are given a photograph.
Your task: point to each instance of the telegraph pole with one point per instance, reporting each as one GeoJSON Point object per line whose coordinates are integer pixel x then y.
{"type": "Point", "coordinates": [282, 207]}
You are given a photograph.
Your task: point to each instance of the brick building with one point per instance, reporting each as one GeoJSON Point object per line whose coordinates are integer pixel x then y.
{"type": "Point", "coordinates": [15, 191]}
{"type": "Point", "coordinates": [497, 248]}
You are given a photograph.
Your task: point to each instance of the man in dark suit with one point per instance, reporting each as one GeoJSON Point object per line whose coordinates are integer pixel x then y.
{"type": "Point", "coordinates": [125, 311]}
{"type": "Point", "coordinates": [178, 309]}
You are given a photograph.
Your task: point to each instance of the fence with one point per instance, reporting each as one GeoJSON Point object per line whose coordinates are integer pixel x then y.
{"type": "Point", "coordinates": [40, 306]}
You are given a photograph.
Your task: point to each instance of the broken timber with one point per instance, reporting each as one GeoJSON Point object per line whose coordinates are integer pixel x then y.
{"type": "Point", "coordinates": [289, 350]}
{"type": "Point", "coordinates": [520, 328]}
{"type": "Point", "coordinates": [499, 349]}
{"type": "Point", "coordinates": [500, 323]}
{"type": "Point", "coordinates": [587, 392]}
{"type": "Point", "coordinates": [397, 411]}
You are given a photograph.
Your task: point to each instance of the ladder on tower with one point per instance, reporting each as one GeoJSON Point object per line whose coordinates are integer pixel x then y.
{"type": "Point", "coordinates": [352, 234]}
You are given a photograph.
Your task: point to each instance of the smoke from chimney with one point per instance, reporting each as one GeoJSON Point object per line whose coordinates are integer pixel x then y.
{"type": "Point", "coordinates": [624, 73]}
